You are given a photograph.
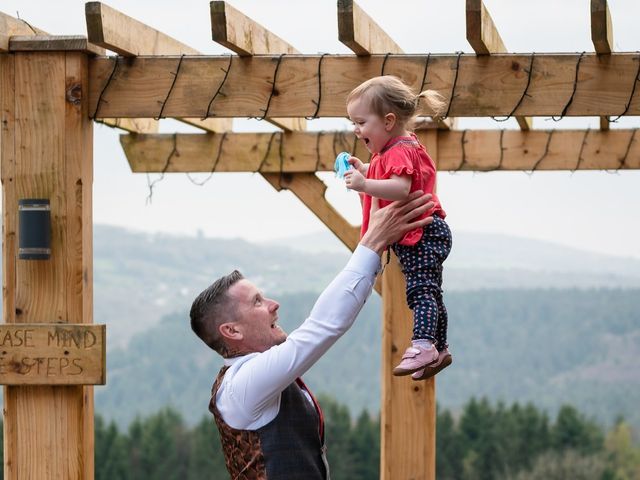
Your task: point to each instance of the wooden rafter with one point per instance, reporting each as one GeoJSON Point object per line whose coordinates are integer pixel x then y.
{"type": "Point", "coordinates": [484, 38]}
{"type": "Point", "coordinates": [602, 36]}
{"type": "Point", "coordinates": [365, 37]}
{"type": "Point", "coordinates": [361, 33]}
{"type": "Point", "coordinates": [246, 37]}
{"type": "Point", "coordinates": [128, 37]}
{"type": "Point", "coordinates": [474, 150]}
{"type": "Point", "coordinates": [484, 86]}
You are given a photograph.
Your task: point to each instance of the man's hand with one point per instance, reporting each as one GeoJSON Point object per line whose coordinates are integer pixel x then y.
{"type": "Point", "coordinates": [389, 224]}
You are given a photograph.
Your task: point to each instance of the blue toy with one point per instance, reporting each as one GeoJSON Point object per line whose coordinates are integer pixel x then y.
{"type": "Point", "coordinates": [342, 164]}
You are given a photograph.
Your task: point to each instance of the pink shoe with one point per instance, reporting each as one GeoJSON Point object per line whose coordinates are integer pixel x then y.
{"type": "Point", "coordinates": [416, 358]}
{"type": "Point", "coordinates": [444, 360]}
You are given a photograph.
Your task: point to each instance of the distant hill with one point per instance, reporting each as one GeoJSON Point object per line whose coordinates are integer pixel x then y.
{"type": "Point", "coordinates": [548, 347]}
{"type": "Point", "coordinates": [140, 277]}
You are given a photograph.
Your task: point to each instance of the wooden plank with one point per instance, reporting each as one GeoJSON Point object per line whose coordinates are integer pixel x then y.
{"type": "Point", "coordinates": [10, 26]}
{"type": "Point", "coordinates": [246, 37]}
{"type": "Point", "coordinates": [53, 43]}
{"type": "Point", "coordinates": [405, 404]}
{"type": "Point", "coordinates": [358, 31]}
{"type": "Point", "coordinates": [241, 34]}
{"type": "Point", "coordinates": [55, 354]}
{"type": "Point", "coordinates": [50, 428]}
{"type": "Point", "coordinates": [602, 37]}
{"type": "Point", "coordinates": [485, 86]}
{"type": "Point", "coordinates": [601, 27]}
{"type": "Point", "coordinates": [127, 36]}
{"type": "Point", "coordinates": [482, 150]}
{"type": "Point", "coordinates": [482, 34]}
{"type": "Point", "coordinates": [484, 38]}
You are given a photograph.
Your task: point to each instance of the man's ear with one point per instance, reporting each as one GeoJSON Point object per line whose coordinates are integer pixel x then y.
{"type": "Point", "coordinates": [389, 121]}
{"type": "Point", "coordinates": [230, 331]}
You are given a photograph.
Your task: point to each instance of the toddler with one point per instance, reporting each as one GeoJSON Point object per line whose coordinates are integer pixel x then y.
{"type": "Point", "coordinates": [382, 110]}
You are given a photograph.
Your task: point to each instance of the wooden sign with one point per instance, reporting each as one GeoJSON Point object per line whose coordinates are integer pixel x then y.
{"type": "Point", "coordinates": [52, 354]}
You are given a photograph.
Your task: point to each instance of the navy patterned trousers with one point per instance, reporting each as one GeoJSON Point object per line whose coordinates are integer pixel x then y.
{"type": "Point", "coordinates": [422, 269]}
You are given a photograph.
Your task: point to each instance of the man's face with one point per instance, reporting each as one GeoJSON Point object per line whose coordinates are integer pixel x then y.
{"type": "Point", "coordinates": [368, 126]}
{"type": "Point", "coordinates": [256, 317]}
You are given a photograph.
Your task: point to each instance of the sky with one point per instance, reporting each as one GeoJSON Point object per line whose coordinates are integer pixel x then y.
{"type": "Point", "coordinates": [594, 211]}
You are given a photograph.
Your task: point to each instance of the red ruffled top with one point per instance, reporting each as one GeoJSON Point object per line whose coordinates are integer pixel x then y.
{"type": "Point", "coordinates": [403, 156]}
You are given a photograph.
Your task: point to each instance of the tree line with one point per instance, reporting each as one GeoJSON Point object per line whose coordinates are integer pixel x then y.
{"type": "Point", "coordinates": [481, 442]}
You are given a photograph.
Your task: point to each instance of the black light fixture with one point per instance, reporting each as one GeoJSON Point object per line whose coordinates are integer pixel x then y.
{"type": "Point", "coordinates": [34, 217]}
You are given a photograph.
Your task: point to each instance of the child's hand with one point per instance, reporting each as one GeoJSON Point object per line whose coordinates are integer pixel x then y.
{"type": "Point", "coordinates": [358, 165]}
{"type": "Point", "coordinates": [354, 179]}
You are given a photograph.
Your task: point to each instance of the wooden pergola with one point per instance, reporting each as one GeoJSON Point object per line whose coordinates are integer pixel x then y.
{"type": "Point", "coordinates": [52, 88]}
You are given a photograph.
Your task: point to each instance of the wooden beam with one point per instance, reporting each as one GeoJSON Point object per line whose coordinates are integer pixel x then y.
{"type": "Point", "coordinates": [602, 37]}
{"type": "Point", "coordinates": [398, 458]}
{"type": "Point", "coordinates": [10, 27]}
{"type": "Point", "coordinates": [242, 35]}
{"type": "Point", "coordinates": [239, 33]}
{"type": "Point", "coordinates": [484, 38]}
{"type": "Point", "coordinates": [48, 430]}
{"type": "Point", "coordinates": [482, 33]}
{"type": "Point", "coordinates": [361, 33]}
{"type": "Point", "coordinates": [52, 43]}
{"type": "Point", "coordinates": [127, 36]}
{"type": "Point", "coordinates": [601, 27]}
{"type": "Point", "coordinates": [473, 150]}
{"type": "Point", "coordinates": [485, 86]}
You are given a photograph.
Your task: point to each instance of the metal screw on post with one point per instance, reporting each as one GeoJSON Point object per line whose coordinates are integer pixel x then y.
{"type": "Point", "coordinates": [34, 217]}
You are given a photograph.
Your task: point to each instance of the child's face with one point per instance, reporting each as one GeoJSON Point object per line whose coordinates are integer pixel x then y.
{"type": "Point", "coordinates": [369, 127]}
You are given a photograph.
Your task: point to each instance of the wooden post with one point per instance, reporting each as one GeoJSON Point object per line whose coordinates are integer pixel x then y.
{"type": "Point", "coordinates": [46, 147]}
{"type": "Point", "coordinates": [408, 408]}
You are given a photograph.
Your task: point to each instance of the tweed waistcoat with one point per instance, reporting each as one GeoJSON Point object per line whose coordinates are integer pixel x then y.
{"type": "Point", "coordinates": [289, 447]}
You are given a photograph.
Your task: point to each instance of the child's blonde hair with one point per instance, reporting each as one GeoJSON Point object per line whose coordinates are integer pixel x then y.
{"type": "Point", "coordinates": [389, 94]}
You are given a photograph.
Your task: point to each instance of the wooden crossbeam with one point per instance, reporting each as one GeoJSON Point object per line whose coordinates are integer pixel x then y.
{"type": "Point", "coordinates": [485, 85]}
{"type": "Point", "coordinates": [129, 37]}
{"type": "Point", "coordinates": [246, 37]}
{"type": "Point", "coordinates": [473, 150]}
{"type": "Point", "coordinates": [361, 33]}
{"type": "Point", "coordinates": [602, 36]}
{"type": "Point", "coordinates": [484, 38]}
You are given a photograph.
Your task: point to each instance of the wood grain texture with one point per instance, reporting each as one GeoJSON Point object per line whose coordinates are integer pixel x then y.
{"type": "Point", "coordinates": [473, 150]}
{"type": "Point", "coordinates": [358, 31]}
{"type": "Point", "coordinates": [127, 36]}
{"type": "Point", "coordinates": [486, 85]}
{"type": "Point", "coordinates": [10, 26]}
{"type": "Point", "coordinates": [53, 43]}
{"type": "Point", "coordinates": [601, 27]}
{"type": "Point", "coordinates": [49, 429]}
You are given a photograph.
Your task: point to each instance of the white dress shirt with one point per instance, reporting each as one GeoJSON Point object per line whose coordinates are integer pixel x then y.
{"type": "Point", "coordinates": [249, 396]}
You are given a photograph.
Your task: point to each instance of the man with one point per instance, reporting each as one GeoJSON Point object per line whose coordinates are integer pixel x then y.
{"type": "Point", "coordinates": [271, 426]}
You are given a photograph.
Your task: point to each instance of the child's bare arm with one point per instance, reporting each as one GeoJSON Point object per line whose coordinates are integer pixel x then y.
{"type": "Point", "coordinates": [395, 188]}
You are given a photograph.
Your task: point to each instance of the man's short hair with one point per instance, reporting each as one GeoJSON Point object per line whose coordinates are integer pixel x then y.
{"type": "Point", "coordinates": [211, 309]}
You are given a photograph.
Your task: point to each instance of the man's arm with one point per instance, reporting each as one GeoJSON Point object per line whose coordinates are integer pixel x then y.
{"type": "Point", "coordinates": [259, 380]}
